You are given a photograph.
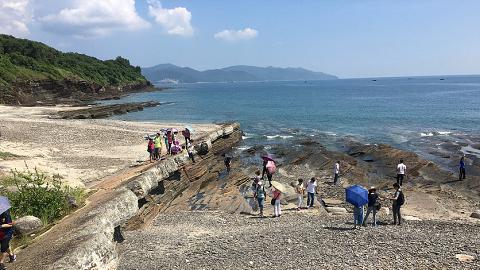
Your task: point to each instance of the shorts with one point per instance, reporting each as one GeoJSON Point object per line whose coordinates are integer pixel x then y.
{"type": "Point", "coordinates": [5, 244]}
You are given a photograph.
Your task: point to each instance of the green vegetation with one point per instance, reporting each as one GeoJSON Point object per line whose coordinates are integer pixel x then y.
{"type": "Point", "coordinates": [25, 60]}
{"type": "Point", "coordinates": [7, 155]}
{"type": "Point", "coordinates": [35, 193]}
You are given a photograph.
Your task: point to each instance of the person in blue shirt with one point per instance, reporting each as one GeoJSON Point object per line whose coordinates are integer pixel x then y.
{"type": "Point", "coordinates": [6, 234]}
{"type": "Point", "coordinates": [461, 175]}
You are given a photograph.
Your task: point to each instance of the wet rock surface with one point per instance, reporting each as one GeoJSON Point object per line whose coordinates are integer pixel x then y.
{"type": "Point", "coordinates": [297, 240]}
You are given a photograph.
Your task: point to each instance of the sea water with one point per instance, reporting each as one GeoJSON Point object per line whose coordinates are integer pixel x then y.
{"type": "Point", "coordinates": [404, 112]}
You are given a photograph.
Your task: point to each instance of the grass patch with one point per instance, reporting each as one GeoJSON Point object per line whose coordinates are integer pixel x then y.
{"type": "Point", "coordinates": [34, 193]}
{"type": "Point", "coordinates": [8, 155]}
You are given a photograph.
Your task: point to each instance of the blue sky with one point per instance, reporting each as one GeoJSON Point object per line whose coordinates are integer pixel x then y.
{"type": "Point", "coordinates": [346, 38]}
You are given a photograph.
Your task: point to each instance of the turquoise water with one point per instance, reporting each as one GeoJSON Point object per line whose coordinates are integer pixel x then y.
{"type": "Point", "coordinates": [399, 111]}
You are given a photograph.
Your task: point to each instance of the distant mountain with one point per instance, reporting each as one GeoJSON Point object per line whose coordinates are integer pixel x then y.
{"type": "Point", "coordinates": [170, 72]}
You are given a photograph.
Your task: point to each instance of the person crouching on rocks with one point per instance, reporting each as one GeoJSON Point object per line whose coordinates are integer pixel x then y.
{"type": "Point", "coordinates": [277, 211]}
{"type": "Point", "coordinates": [260, 195]}
{"type": "Point", "coordinates": [373, 206]}
{"type": "Point", "coordinates": [398, 200]}
{"type": "Point", "coordinates": [300, 190]}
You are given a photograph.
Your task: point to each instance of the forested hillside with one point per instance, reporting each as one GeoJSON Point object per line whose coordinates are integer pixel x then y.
{"type": "Point", "coordinates": [32, 71]}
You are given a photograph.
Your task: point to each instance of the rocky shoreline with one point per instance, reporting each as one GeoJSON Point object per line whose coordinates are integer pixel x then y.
{"type": "Point", "coordinates": [72, 92]}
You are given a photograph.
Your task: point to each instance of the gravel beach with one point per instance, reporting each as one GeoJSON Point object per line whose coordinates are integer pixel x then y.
{"type": "Point", "coordinates": [298, 240]}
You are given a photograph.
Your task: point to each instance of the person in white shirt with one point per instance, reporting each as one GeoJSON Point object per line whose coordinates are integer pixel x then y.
{"type": "Point", "coordinates": [336, 172]}
{"type": "Point", "coordinates": [300, 190]}
{"type": "Point", "coordinates": [311, 190]}
{"type": "Point", "coordinates": [401, 172]}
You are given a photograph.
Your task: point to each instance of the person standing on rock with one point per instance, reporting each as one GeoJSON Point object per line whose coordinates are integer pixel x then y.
{"type": "Point", "coordinates": [398, 200]}
{"type": "Point", "coordinates": [401, 172]}
{"type": "Point", "coordinates": [372, 206]}
{"type": "Point", "coordinates": [260, 195]}
{"type": "Point", "coordinates": [170, 140]}
{"type": "Point", "coordinates": [186, 135]}
{"type": "Point", "coordinates": [300, 190]}
{"type": "Point", "coordinates": [190, 150]}
{"type": "Point", "coordinates": [227, 160]}
{"type": "Point", "coordinates": [151, 149]}
{"type": "Point", "coordinates": [269, 168]}
{"type": "Point", "coordinates": [277, 211]}
{"type": "Point", "coordinates": [336, 172]}
{"type": "Point", "coordinates": [157, 144]}
{"type": "Point", "coordinates": [461, 175]}
{"type": "Point", "coordinates": [6, 234]}
{"type": "Point", "coordinates": [311, 191]}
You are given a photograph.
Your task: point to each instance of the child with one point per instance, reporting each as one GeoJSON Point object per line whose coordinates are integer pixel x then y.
{"type": "Point", "coordinates": [190, 150]}
{"type": "Point", "coordinates": [277, 211]}
{"type": "Point", "coordinates": [255, 180]}
{"type": "Point", "coordinates": [151, 149]}
{"type": "Point", "coordinates": [300, 190]}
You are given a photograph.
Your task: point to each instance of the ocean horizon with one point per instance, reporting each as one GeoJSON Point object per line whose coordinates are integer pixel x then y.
{"type": "Point", "coordinates": [411, 113]}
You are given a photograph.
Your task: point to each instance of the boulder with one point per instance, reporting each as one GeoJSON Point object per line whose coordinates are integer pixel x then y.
{"type": "Point", "coordinates": [27, 225]}
{"type": "Point", "coordinates": [465, 258]}
{"type": "Point", "coordinates": [475, 214]}
{"type": "Point", "coordinates": [411, 218]}
{"type": "Point", "coordinates": [336, 210]}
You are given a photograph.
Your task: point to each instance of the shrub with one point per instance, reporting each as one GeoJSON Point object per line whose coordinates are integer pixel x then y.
{"type": "Point", "coordinates": [37, 194]}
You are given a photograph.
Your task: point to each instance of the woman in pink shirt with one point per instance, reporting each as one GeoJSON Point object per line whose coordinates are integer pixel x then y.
{"type": "Point", "coordinates": [276, 203]}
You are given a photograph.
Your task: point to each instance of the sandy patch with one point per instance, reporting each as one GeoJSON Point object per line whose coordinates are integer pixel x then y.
{"type": "Point", "coordinates": [80, 151]}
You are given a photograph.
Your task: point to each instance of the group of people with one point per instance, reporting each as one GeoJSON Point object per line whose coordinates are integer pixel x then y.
{"type": "Point", "coordinates": [310, 187]}
{"type": "Point", "coordinates": [172, 145]}
{"type": "Point", "coordinates": [374, 205]}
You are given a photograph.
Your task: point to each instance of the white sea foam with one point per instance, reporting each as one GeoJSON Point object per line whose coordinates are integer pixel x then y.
{"type": "Point", "coordinates": [243, 148]}
{"type": "Point", "coordinates": [284, 137]}
{"type": "Point", "coordinates": [435, 133]}
{"type": "Point", "coordinates": [470, 151]}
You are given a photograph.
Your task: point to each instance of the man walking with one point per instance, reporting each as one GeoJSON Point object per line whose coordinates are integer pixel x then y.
{"type": "Point", "coordinates": [336, 172]}
{"type": "Point", "coordinates": [401, 171]}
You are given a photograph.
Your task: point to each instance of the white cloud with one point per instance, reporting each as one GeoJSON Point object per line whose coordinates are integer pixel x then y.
{"type": "Point", "coordinates": [235, 35]}
{"type": "Point", "coordinates": [14, 17]}
{"type": "Point", "coordinates": [176, 21]}
{"type": "Point", "coordinates": [91, 18]}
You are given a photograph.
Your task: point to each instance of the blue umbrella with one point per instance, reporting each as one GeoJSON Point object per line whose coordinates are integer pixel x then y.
{"type": "Point", "coordinates": [4, 204]}
{"type": "Point", "coordinates": [356, 195]}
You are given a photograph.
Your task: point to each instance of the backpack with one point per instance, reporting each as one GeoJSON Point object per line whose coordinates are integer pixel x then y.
{"type": "Point", "coordinates": [401, 198]}
{"type": "Point", "coordinates": [271, 167]}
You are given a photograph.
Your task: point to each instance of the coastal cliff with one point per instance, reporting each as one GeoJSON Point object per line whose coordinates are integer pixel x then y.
{"type": "Point", "coordinates": [33, 73]}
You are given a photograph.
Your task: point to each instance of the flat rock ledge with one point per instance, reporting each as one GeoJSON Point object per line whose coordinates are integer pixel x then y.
{"type": "Point", "coordinates": [104, 111]}
{"type": "Point", "coordinates": [85, 239]}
